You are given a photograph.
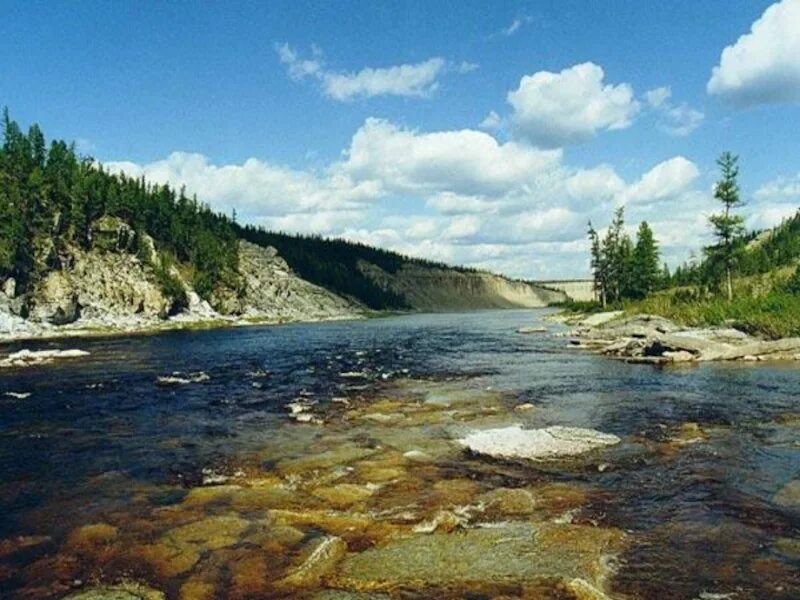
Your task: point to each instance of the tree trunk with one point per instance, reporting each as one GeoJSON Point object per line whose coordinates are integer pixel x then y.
{"type": "Point", "coordinates": [730, 285]}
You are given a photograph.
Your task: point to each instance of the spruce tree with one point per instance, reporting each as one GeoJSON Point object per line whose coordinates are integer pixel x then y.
{"type": "Point", "coordinates": [645, 262]}
{"type": "Point", "coordinates": [727, 227]}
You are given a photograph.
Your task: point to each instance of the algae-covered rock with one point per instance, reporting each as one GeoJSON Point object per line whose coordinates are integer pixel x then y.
{"type": "Point", "coordinates": [123, 591]}
{"type": "Point", "coordinates": [789, 495]}
{"type": "Point", "coordinates": [344, 494]}
{"type": "Point", "coordinates": [512, 553]}
{"type": "Point", "coordinates": [180, 548]}
{"type": "Point", "coordinates": [317, 562]}
{"type": "Point", "coordinates": [508, 502]}
{"type": "Point", "coordinates": [537, 444]}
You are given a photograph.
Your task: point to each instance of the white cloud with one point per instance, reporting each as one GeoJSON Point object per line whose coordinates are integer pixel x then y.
{"type": "Point", "coordinates": [678, 120]}
{"type": "Point", "coordinates": [516, 25]}
{"type": "Point", "coordinates": [403, 80]}
{"type": "Point", "coordinates": [763, 66]}
{"type": "Point", "coordinates": [466, 67]}
{"type": "Point", "coordinates": [780, 189]}
{"type": "Point", "coordinates": [408, 80]}
{"type": "Point", "coordinates": [465, 161]}
{"type": "Point", "coordinates": [774, 201]}
{"type": "Point", "coordinates": [449, 203]}
{"type": "Point", "coordinates": [554, 109]}
{"type": "Point", "coordinates": [666, 180]}
{"type": "Point", "coordinates": [492, 121]}
{"type": "Point", "coordinates": [462, 227]}
{"type": "Point", "coordinates": [259, 190]}
{"type": "Point", "coordinates": [457, 196]}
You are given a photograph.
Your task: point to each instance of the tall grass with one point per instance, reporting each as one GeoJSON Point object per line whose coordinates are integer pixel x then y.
{"type": "Point", "coordinates": [772, 315]}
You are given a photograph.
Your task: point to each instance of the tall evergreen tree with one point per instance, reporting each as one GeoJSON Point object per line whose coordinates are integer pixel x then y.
{"type": "Point", "coordinates": [645, 261]}
{"type": "Point", "coordinates": [727, 227]}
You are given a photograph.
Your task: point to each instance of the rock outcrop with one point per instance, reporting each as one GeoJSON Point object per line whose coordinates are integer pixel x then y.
{"type": "Point", "coordinates": [440, 289]}
{"type": "Point", "coordinates": [109, 286]}
{"type": "Point", "coordinates": [653, 339]}
{"type": "Point", "coordinates": [273, 291]}
{"type": "Point", "coordinates": [536, 444]}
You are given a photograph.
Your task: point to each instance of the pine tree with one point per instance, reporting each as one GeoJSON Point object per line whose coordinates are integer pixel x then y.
{"type": "Point", "coordinates": [597, 265]}
{"type": "Point", "coordinates": [727, 227]}
{"type": "Point", "coordinates": [645, 262]}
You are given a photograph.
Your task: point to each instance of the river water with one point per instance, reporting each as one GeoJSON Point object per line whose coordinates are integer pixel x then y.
{"type": "Point", "coordinates": [205, 488]}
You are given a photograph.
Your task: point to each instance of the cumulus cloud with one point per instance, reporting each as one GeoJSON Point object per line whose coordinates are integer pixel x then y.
{"type": "Point", "coordinates": [492, 121]}
{"type": "Point", "coordinates": [554, 109]}
{"type": "Point", "coordinates": [666, 180]}
{"type": "Point", "coordinates": [419, 80]}
{"type": "Point", "coordinates": [458, 196]}
{"type": "Point", "coordinates": [674, 119]}
{"type": "Point", "coordinates": [762, 66]}
{"type": "Point", "coordinates": [774, 201]}
{"type": "Point", "coordinates": [463, 161]}
{"type": "Point", "coordinates": [785, 189]}
{"type": "Point", "coordinates": [262, 192]}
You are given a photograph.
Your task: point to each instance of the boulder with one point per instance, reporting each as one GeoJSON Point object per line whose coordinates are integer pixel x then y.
{"type": "Point", "coordinates": [55, 300]}
{"type": "Point", "coordinates": [789, 495]}
{"type": "Point", "coordinates": [482, 561]}
{"type": "Point", "coordinates": [317, 561]}
{"type": "Point", "coordinates": [536, 444]}
{"type": "Point", "coordinates": [123, 591]}
{"type": "Point", "coordinates": [9, 288]}
{"type": "Point", "coordinates": [111, 234]}
{"type": "Point", "coordinates": [601, 318]}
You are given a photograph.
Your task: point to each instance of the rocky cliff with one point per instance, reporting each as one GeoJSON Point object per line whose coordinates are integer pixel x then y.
{"type": "Point", "coordinates": [108, 286]}
{"type": "Point", "coordinates": [440, 289]}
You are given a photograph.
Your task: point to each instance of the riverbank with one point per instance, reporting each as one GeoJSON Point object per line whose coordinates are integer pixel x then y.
{"type": "Point", "coordinates": [24, 331]}
{"type": "Point", "coordinates": [645, 338]}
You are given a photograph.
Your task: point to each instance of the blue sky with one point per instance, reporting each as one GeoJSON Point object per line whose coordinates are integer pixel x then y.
{"type": "Point", "coordinates": [369, 120]}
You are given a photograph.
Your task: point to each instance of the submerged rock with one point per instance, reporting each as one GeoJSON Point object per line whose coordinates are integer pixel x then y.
{"type": "Point", "coordinates": [319, 560]}
{"type": "Point", "coordinates": [474, 560]}
{"type": "Point", "coordinates": [27, 358]}
{"type": "Point", "coordinates": [178, 378]}
{"type": "Point", "coordinates": [536, 444]}
{"type": "Point", "coordinates": [532, 329]}
{"type": "Point", "coordinates": [122, 591]}
{"type": "Point", "coordinates": [789, 495]}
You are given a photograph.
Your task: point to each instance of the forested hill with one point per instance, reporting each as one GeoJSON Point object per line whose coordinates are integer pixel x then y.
{"type": "Point", "coordinates": [54, 205]}
{"type": "Point", "coordinates": [757, 252]}
{"type": "Point", "coordinates": [334, 264]}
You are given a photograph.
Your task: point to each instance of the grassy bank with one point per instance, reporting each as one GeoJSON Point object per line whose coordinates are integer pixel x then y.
{"type": "Point", "coordinates": [774, 315]}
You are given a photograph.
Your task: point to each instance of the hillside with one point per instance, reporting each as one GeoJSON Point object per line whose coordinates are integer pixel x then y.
{"type": "Point", "coordinates": [79, 245]}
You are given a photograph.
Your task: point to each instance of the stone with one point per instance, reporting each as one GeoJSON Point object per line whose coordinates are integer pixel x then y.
{"type": "Point", "coordinates": [600, 318]}
{"type": "Point", "coordinates": [10, 546]}
{"type": "Point", "coordinates": [27, 358]}
{"type": "Point", "coordinates": [343, 495]}
{"type": "Point", "coordinates": [536, 444]}
{"type": "Point", "coordinates": [518, 554]}
{"type": "Point", "coordinates": [111, 234]}
{"type": "Point", "coordinates": [318, 560]}
{"type": "Point", "coordinates": [508, 502]}
{"type": "Point", "coordinates": [789, 495]}
{"type": "Point", "coordinates": [180, 548]}
{"type": "Point", "coordinates": [87, 537]}
{"type": "Point", "coordinates": [532, 329]}
{"type": "Point", "coordinates": [55, 300]}
{"type": "Point", "coordinates": [122, 591]}
{"type": "Point", "coordinates": [9, 287]}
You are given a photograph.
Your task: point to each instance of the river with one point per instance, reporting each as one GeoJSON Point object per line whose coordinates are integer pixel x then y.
{"type": "Point", "coordinates": [203, 487]}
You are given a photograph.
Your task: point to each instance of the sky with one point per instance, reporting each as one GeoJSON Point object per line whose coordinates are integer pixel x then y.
{"type": "Point", "coordinates": [477, 133]}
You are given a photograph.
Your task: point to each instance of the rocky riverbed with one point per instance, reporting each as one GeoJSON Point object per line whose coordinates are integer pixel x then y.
{"type": "Point", "coordinates": [654, 339]}
{"type": "Point", "coordinates": [502, 466]}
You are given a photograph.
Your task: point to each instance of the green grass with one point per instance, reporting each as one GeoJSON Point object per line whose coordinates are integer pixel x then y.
{"type": "Point", "coordinates": [772, 315]}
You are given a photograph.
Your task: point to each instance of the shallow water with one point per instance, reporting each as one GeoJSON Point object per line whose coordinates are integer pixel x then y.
{"type": "Point", "coordinates": [684, 507]}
